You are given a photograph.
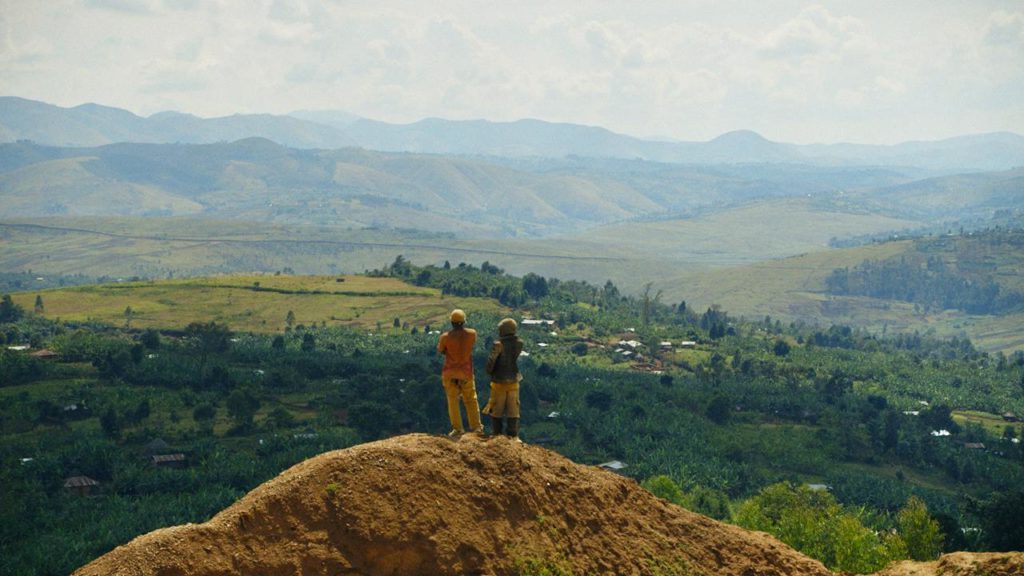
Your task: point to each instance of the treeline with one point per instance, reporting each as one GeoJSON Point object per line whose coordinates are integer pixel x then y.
{"type": "Point", "coordinates": [930, 284]}
{"type": "Point", "coordinates": [489, 281]}
{"type": "Point", "coordinates": [946, 273]}
{"type": "Point", "coordinates": [29, 280]}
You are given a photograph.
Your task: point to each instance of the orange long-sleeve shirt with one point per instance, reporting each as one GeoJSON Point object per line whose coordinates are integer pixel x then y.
{"type": "Point", "coordinates": [457, 347]}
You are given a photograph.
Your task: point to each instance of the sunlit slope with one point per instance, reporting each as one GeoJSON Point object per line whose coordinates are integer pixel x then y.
{"type": "Point", "coordinates": [68, 186]}
{"type": "Point", "coordinates": [253, 303]}
{"type": "Point", "coordinates": [793, 289]}
{"type": "Point", "coordinates": [746, 233]}
{"type": "Point", "coordinates": [630, 253]}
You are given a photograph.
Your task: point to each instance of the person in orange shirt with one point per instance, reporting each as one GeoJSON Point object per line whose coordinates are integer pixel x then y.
{"type": "Point", "coordinates": [457, 373]}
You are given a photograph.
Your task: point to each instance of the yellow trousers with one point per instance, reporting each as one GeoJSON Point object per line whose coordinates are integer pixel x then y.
{"type": "Point", "coordinates": [454, 388]}
{"type": "Point", "coordinates": [504, 400]}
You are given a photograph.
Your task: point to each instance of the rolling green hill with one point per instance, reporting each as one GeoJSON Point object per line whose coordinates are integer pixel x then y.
{"type": "Point", "coordinates": [794, 289]}
{"type": "Point", "coordinates": [69, 185]}
{"type": "Point", "coordinates": [257, 180]}
{"type": "Point", "coordinates": [629, 253]}
{"type": "Point", "coordinates": [741, 234]}
{"type": "Point", "coordinates": [954, 197]}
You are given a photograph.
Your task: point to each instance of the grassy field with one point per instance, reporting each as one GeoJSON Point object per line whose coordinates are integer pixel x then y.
{"type": "Point", "coordinates": [741, 235]}
{"type": "Point", "coordinates": [255, 303]}
{"type": "Point", "coordinates": [776, 287]}
{"type": "Point", "coordinates": [794, 289]}
{"type": "Point", "coordinates": [992, 423]}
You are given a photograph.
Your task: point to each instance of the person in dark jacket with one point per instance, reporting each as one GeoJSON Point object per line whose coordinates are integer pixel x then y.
{"type": "Point", "coordinates": [503, 367]}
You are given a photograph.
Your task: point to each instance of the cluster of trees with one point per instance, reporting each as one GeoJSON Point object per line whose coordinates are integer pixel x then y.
{"type": "Point", "coordinates": [844, 539]}
{"type": "Point", "coordinates": [931, 285]}
{"type": "Point", "coordinates": [604, 305]}
{"type": "Point", "coordinates": [927, 277]}
{"type": "Point", "coordinates": [9, 311]}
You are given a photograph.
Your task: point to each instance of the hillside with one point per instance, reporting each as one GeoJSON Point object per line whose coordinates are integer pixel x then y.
{"type": "Point", "coordinates": [257, 180]}
{"type": "Point", "coordinates": [750, 232]}
{"type": "Point", "coordinates": [420, 504]}
{"type": "Point", "coordinates": [797, 288]}
{"type": "Point", "coordinates": [952, 197]}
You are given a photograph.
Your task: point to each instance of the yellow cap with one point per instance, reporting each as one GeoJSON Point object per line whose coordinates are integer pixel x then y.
{"type": "Point", "coordinates": [458, 316]}
{"type": "Point", "coordinates": [507, 327]}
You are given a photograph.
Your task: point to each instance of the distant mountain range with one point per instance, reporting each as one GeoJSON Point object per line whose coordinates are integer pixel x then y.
{"type": "Point", "coordinates": [95, 125]}
{"type": "Point", "coordinates": [258, 180]}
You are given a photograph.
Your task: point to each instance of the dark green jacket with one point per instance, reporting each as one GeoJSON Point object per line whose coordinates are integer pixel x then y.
{"type": "Point", "coordinates": [502, 363]}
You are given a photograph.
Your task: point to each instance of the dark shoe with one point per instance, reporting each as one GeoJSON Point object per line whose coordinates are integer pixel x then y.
{"type": "Point", "coordinates": [496, 426]}
{"type": "Point", "coordinates": [513, 428]}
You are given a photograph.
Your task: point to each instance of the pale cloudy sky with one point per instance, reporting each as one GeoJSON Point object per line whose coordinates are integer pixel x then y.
{"type": "Point", "coordinates": [871, 71]}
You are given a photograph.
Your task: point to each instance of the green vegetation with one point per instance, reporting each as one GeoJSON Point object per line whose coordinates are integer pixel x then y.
{"type": "Point", "coordinates": [732, 426]}
{"type": "Point", "coordinates": [535, 566]}
{"type": "Point", "coordinates": [943, 273]}
{"type": "Point", "coordinates": [814, 523]}
{"type": "Point", "coordinates": [968, 285]}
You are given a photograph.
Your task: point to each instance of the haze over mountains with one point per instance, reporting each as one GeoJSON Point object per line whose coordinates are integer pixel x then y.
{"type": "Point", "coordinates": [93, 125]}
{"type": "Point", "coordinates": [257, 180]}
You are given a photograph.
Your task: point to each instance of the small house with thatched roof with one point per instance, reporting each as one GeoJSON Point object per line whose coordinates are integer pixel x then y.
{"type": "Point", "coordinates": [81, 485]}
{"type": "Point", "coordinates": [172, 460]}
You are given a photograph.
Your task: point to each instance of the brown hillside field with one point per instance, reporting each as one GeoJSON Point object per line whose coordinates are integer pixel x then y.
{"type": "Point", "coordinates": [253, 303]}
{"type": "Point", "coordinates": [421, 504]}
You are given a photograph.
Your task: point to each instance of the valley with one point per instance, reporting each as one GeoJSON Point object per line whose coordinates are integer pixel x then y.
{"type": "Point", "coordinates": [245, 375]}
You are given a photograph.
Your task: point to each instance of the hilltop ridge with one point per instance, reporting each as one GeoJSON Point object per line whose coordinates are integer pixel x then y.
{"type": "Point", "coordinates": [95, 124]}
{"type": "Point", "coordinates": [421, 504]}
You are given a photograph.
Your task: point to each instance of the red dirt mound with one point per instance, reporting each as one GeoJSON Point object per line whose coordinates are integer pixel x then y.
{"type": "Point", "coordinates": [422, 504]}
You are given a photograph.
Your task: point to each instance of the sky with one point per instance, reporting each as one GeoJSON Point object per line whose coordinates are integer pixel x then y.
{"type": "Point", "coordinates": [865, 71]}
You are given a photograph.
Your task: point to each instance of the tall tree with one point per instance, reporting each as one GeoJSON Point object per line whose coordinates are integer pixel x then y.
{"type": "Point", "coordinates": [919, 530]}
{"type": "Point", "coordinates": [9, 311]}
{"type": "Point", "coordinates": [242, 405]}
{"type": "Point", "coordinates": [208, 338]}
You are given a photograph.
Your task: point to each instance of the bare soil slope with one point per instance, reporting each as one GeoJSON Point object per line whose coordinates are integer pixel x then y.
{"type": "Point", "coordinates": [962, 564]}
{"type": "Point", "coordinates": [421, 504]}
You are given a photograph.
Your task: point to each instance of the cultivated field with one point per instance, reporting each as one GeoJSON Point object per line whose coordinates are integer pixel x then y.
{"type": "Point", "coordinates": [256, 303]}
